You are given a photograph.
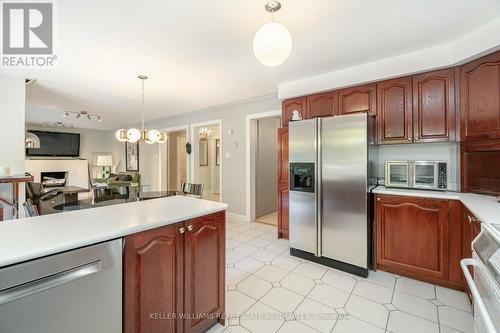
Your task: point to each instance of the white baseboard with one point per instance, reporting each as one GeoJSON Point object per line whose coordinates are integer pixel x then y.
{"type": "Point", "coordinates": [238, 217]}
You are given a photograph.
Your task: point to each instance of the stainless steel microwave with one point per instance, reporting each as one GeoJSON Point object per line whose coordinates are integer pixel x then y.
{"type": "Point", "coordinates": [430, 175]}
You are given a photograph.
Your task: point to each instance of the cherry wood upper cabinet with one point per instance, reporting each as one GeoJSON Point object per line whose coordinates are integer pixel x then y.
{"type": "Point", "coordinates": [480, 98]}
{"type": "Point", "coordinates": [394, 103]}
{"type": "Point", "coordinates": [153, 279]}
{"type": "Point", "coordinates": [434, 106]}
{"type": "Point", "coordinates": [295, 104]}
{"type": "Point", "coordinates": [421, 222]}
{"type": "Point", "coordinates": [204, 260]}
{"type": "Point", "coordinates": [358, 99]}
{"type": "Point", "coordinates": [322, 105]}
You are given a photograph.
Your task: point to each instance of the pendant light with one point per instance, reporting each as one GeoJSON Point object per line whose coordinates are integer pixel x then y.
{"type": "Point", "coordinates": [134, 135]}
{"type": "Point", "coordinates": [272, 43]}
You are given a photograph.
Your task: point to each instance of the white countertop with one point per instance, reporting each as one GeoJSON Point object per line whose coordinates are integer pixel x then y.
{"type": "Point", "coordinates": [35, 237]}
{"type": "Point", "coordinates": [485, 207]}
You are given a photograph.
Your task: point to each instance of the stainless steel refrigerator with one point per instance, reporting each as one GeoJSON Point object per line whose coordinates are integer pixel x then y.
{"type": "Point", "coordinates": [331, 168]}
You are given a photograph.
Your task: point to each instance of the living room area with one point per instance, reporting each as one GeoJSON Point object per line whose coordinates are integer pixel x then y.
{"type": "Point", "coordinates": [74, 162]}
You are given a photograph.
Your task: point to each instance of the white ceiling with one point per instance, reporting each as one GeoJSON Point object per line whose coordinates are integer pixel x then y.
{"type": "Point", "coordinates": [198, 54]}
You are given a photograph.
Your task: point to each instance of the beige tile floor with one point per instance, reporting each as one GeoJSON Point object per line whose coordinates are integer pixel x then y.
{"type": "Point", "coordinates": [270, 291]}
{"type": "Point", "coordinates": [271, 218]}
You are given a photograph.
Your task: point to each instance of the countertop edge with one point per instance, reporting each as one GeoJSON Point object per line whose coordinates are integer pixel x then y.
{"type": "Point", "coordinates": [44, 251]}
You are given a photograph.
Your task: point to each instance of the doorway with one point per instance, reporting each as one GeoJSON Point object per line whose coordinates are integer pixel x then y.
{"type": "Point", "coordinates": [262, 145]}
{"type": "Point", "coordinates": [206, 158]}
{"type": "Point", "coordinates": [176, 160]}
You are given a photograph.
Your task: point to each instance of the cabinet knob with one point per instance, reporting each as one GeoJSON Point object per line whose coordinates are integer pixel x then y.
{"type": "Point", "coordinates": [416, 138]}
{"type": "Point", "coordinates": [182, 230]}
{"type": "Point", "coordinates": [409, 139]}
{"type": "Point", "coordinates": [472, 219]}
{"type": "Point", "coordinates": [378, 199]}
{"type": "Point", "coordinates": [190, 228]}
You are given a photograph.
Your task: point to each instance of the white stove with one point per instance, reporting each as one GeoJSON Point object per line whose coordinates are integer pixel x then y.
{"type": "Point", "coordinates": [485, 284]}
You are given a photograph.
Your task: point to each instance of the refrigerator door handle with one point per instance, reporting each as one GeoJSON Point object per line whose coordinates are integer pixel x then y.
{"type": "Point", "coordinates": [319, 199]}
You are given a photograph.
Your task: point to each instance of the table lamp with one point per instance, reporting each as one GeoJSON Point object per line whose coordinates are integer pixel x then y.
{"type": "Point", "coordinates": [105, 161]}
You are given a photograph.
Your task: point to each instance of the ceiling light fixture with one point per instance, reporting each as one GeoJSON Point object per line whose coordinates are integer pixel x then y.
{"type": "Point", "coordinates": [205, 133]}
{"type": "Point", "coordinates": [272, 43]}
{"type": "Point", "coordinates": [133, 135]}
{"type": "Point", "coordinates": [85, 114]}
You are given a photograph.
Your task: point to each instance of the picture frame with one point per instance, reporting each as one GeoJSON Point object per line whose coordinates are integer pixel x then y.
{"type": "Point", "coordinates": [132, 156]}
{"type": "Point", "coordinates": [217, 152]}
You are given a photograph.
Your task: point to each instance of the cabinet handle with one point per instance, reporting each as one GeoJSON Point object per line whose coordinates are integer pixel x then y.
{"type": "Point", "coordinates": [472, 219]}
{"type": "Point", "coordinates": [182, 230]}
{"type": "Point", "coordinates": [190, 228]}
{"type": "Point", "coordinates": [378, 199]}
{"type": "Point", "coordinates": [409, 139]}
{"type": "Point", "coordinates": [416, 138]}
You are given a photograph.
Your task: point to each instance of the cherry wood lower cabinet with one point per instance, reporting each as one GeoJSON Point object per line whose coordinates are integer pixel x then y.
{"type": "Point", "coordinates": [174, 277]}
{"type": "Point", "coordinates": [420, 238]}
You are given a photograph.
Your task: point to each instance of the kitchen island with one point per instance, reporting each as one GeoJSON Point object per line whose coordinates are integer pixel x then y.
{"type": "Point", "coordinates": [173, 258]}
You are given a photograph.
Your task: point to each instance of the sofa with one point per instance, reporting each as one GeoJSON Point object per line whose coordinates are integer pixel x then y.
{"type": "Point", "coordinates": [120, 179]}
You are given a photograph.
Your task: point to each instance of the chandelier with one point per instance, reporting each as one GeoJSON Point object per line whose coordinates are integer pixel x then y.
{"type": "Point", "coordinates": [134, 135]}
{"type": "Point", "coordinates": [272, 43]}
{"type": "Point", "coordinates": [205, 133]}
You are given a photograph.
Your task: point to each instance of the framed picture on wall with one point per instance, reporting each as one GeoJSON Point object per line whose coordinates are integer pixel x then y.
{"type": "Point", "coordinates": [132, 156]}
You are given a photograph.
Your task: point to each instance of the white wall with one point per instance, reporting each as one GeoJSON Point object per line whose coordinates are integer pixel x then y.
{"type": "Point", "coordinates": [266, 174]}
{"type": "Point", "coordinates": [12, 104]}
{"type": "Point", "coordinates": [446, 151]}
{"type": "Point", "coordinates": [234, 165]}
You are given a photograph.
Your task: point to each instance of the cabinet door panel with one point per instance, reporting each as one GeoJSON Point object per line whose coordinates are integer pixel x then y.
{"type": "Point", "coordinates": [282, 155]}
{"type": "Point", "coordinates": [480, 93]}
{"type": "Point", "coordinates": [153, 280]}
{"type": "Point", "coordinates": [283, 202]}
{"type": "Point", "coordinates": [283, 183]}
{"type": "Point", "coordinates": [290, 105]}
{"type": "Point", "coordinates": [413, 235]}
{"type": "Point", "coordinates": [434, 106]}
{"type": "Point", "coordinates": [394, 98]}
{"type": "Point", "coordinates": [204, 251]}
{"type": "Point", "coordinates": [358, 99]}
{"type": "Point", "coordinates": [322, 105]}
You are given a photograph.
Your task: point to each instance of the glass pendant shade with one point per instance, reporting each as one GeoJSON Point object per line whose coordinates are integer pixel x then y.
{"type": "Point", "coordinates": [153, 135]}
{"type": "Point", "coordinates": [133, 135]}
{"type": "Point", "coordinates": [272, 44]}
{"type": "Point", "coordinates": [121, 135]}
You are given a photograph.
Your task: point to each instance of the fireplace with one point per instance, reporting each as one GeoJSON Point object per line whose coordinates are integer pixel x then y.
{"type": "Point", "coordinates": [53, 179]}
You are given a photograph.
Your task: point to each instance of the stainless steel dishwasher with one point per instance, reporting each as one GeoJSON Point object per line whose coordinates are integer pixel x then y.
{"type": "Point", "coordinates": [78, 291]}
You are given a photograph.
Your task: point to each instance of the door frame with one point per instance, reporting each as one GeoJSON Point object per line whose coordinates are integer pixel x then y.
{"type": "Point", "coordinates": [162, 152]}
{"type": "Point", "coordinates": [249, 118]}
{"type": "Point", "coordinates": [191, 157]}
